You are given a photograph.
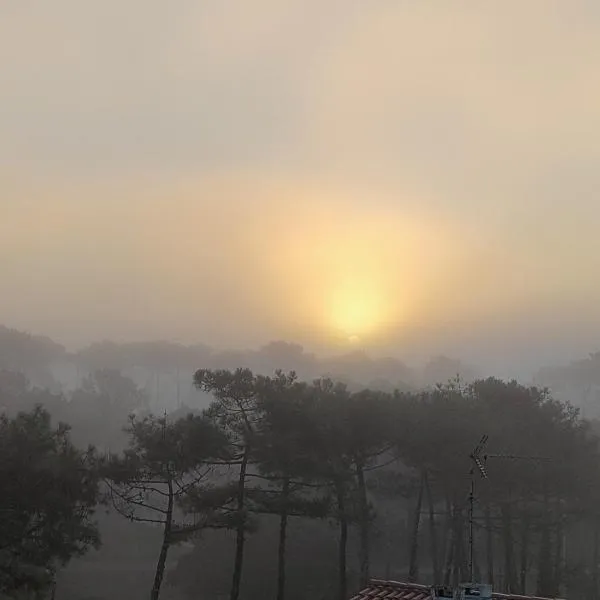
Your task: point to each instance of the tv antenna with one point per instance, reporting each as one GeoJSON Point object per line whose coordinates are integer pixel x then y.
{"type": "Point", "coordinates": [478, 464]}
{"type": "Point", "coordinates": [479, 461]}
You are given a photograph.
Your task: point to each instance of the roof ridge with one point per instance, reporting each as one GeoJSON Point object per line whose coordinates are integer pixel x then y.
{"type": "Point", "coordinates": [400, 584]}
{"type": "Point", "coordinates": [420, 586]}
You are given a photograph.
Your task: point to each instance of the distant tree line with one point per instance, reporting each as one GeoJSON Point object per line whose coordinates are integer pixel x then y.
{"type": "Point", "coordinates": [160, 366]}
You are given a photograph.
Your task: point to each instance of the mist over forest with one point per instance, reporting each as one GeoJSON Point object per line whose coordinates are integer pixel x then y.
{"type": "Point", "coordinates": [299, 300]}
{"type": "Point", "coordinates": [164, 370]}
{"type": "Point", "coordinates": [339, 459]}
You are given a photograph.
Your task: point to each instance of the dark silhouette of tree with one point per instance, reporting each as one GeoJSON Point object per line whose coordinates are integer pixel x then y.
{"type": "Point", "coordinates": [49, 490]}
{"type": "Point", "coordinates": [370, 436]}
{"type": "Point", "coordinates": [281, 449]}
{"type": "Point", "coordinates": [163, 463]}
{"type": "Point", "coordinates": [332, 456]}
{"type": "Point", "coordinates": [236, 411]}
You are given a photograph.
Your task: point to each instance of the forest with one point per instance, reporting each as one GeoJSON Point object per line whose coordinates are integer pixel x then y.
{"type": "Point", "coordinates": [276, 485]}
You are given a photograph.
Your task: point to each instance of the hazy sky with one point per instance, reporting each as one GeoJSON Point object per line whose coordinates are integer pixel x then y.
{"type": "Point", "coordinates": [422, 175]}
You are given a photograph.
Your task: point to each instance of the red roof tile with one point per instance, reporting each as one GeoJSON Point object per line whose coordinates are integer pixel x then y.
{"type": "Point", "coordinates": [393, 590]}
{"type": "Point", "coordinates": [396, 590]}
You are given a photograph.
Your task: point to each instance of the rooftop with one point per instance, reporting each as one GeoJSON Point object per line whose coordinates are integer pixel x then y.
{"type": "Point", "coordinates": [396, 590]}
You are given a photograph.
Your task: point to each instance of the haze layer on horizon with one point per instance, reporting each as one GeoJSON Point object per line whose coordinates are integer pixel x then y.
{"type": "Point", "coordinates": [414, 177]}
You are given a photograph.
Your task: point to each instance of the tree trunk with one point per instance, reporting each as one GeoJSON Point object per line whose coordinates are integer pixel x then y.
{"type": "Point", "coordinates": [448, 541]}
{"type": "Point", "coordinates": [343, 542]}
{"type": "Point", "coordinates": [388, 560]}
{"type": "Point", "coordinates": [489, 542]}
{"type": "Point", "coordinates": [283, 522]}
{"type": "Point", "coordinates": [164, 549]}
{"type": "Point", "coordinates": [545, 565]}
{"type": "Point", "coordinates": [451, 544]}
{"type": "Point", "coordinates": [461, 562]}
{"type": "Point", "coordinates": [507, 536]}
{"type": "Point", "coordinates": [595, 558]}
{"type": "Point", "coordinates": [363, 553]}
{"type": "Point", "coordinates": [525, 537]}
{"type": "Point", "coordinates": [413, 569]}
{"type": "Point", "coordinates": [241, 529]}
{"type": "Point", "coordinates": [545, 557]}
{"type": "Point", "coordinates": [435, 558]}
{"type": "Point", "coordinates": [558, 555]}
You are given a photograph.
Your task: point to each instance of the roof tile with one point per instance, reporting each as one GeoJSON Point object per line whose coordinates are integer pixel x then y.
{"type": "Point", "coordinates": [396, 590]}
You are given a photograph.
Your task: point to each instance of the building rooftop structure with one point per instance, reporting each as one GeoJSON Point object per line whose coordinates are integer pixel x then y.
{"type": "Point", "coordinates": [396, 590]}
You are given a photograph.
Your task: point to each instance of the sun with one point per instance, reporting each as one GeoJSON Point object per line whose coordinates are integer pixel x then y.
{"type": "Point", "coordinates": [356, 311]}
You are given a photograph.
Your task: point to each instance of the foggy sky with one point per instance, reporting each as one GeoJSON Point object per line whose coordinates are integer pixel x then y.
{"type": "Point", "coordinates": [234, 172]}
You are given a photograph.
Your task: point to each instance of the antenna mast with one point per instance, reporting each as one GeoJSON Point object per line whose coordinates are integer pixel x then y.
{"type": "Point", "coordinates": [475, 457]}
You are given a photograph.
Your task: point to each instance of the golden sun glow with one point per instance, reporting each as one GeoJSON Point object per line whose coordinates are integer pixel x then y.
{"type": "Point", "coordinates": [353, 277]}
{"type": "Point", "coordinates": [356, 310]}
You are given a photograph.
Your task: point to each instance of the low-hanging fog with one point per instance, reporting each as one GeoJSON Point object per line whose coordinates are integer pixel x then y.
{"type": "Point", "coordinates": [411, 178]}
{"type": "Point", "coordinates": [269, 269]}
